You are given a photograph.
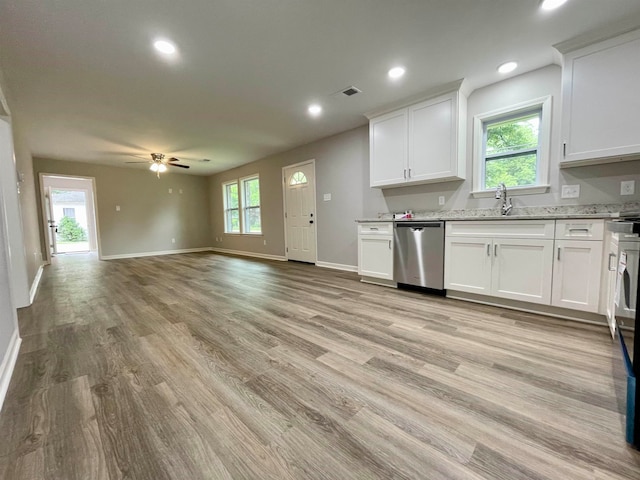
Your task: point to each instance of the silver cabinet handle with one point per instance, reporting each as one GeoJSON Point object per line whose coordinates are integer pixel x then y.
{"type": "Point", "coordinates": [495, 250]}
{"type": "Point", "coordinates": [586, 230]}
{"type": "Point", "coordinates": [409, 173]}
{"type": "Point", "coordinates": [389, 244]}
{"type": "Point", "coordinates": [405, 173]}
{"type": "Point", "coordinates": [488, 249]}
{"type": "Point", "coordinates": [559, 252]}
{"type": "Point", "coordinates": [373, 228]}
{"type": "Point", "coordinates": [612, 269]}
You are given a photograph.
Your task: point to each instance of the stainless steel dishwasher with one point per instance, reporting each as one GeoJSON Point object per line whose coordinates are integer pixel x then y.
{"type": "Point", "coordinates": [419, 254]}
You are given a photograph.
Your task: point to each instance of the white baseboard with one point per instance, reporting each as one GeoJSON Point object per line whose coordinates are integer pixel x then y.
{"type": "Point", "coordinates": [8, 364]}
{"type": "Point", "coordinates": [249, 254]}
{"type": "Point", "coordinates": [338, 266]}
{"type": "Point", "coordinates": [153, 254]}
{"type": "Point", "coordinates": [36, 283]}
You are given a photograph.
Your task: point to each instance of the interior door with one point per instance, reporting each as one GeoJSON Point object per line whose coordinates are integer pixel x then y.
{"type": "Point", "coordinates": [300, 207]}
{"type": "Point", "coordinates": [51, 222]}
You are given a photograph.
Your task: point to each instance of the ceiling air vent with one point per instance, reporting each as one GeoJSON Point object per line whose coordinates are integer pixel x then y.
{"type": "Point", "coordinates": [350, 91]}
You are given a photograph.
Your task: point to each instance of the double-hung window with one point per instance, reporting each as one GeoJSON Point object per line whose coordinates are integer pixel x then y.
{"type": "Point", "coordinates": [512, 147]}
{"type": "Point", "coordinates": [231, 207]}
{"type": "Point", "coordinates": [250, 187]}
{"type": "Point", "coordinates": [242, 205]}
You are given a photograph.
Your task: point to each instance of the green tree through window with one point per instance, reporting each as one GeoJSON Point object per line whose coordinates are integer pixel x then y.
{"type": "Point", "coordinates": [511, 151]}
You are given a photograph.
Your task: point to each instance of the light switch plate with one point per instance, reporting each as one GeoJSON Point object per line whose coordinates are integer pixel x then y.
{"type": "Point", "coordinates": [441, 200]}
{"type": "Point", "coordinates": [628, 187]}
{"type": "Point", "coordinates": [117, 208]}
{"type": "Point", "coordinates": [327, 197]}
{"type": "Point", "coordinates": [570, 191]}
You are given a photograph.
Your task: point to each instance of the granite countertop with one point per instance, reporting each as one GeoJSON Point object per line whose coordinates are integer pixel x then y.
{"type": "Point", "coordinates": [521, 213]}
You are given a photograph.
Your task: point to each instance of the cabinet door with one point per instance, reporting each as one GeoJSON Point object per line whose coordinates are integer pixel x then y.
{"type": "Point", "coordinates": [468, 265]}
{"type": "Point", "coordinates": [375, 256]}
{"type": "Point", "coordinates": [611, 277]}
{"type": "Point", "coordinates": [599, 111]}
{"type": "Point", "coordinates": [433, 139]}
{"type": "Point", "coordinates": [522, 269]}
{"type": "Point", "coordinates": [388, 149]}
{"type": "Point", "coordinates": [576, 275]}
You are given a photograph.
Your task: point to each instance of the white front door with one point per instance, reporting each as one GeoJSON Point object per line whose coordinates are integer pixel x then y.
{"type": "Point", "coordinates": [300, 209]}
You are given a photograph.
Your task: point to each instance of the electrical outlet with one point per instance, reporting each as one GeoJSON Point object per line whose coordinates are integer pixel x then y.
{"type": "Point", "coordinates": [117, 208]}
{"type": "Point", "coordinates": [570, 191]}
{"type": "Point", "coordinates": [441, 200]}
{"type": "Point", "coordinates": [173, 240]}
{"type": "Point", "coordinates": [180, 191]}
{"type": "Point", "coordinates": [171, 190]}
{"type": "Point", "coordinates": [327, 197]}
{"type": "Point", "coordinates": [628, 187]}
{"type": "Point", "coordinates": [265, 242]}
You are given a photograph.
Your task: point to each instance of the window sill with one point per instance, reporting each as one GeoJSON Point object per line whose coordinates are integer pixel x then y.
{"type": "Point", "coordinates": [513, 191]}
{"type": "Point", "coordinates": [244, 234]}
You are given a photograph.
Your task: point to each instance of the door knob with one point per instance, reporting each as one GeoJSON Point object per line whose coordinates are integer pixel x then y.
{"type": "Point", "coordinates": [310, 221]}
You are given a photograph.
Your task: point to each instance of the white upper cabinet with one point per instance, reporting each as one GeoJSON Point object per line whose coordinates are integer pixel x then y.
{"type": "Point", "coordinates": [420, 143]}
{"type": "Point", "coordinates": [387, 137]}
{"type": "Point", "coordinates": [601, 101]}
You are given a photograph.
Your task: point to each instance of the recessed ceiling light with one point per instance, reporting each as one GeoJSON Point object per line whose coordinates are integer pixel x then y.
{"type": "Point", "coordinates": [507, 67]}
{"type": "Point", "coordinates": [396, 72]}
{"type": "Point", "coordinates": [315, 109]}
{"type": "Point", "coordinates": [552, 4]}
{"type": "Point", "coordinates": [164, 46]}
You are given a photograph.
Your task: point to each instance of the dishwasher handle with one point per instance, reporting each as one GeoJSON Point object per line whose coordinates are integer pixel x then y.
{"type": "Point", "coordinates": [419, 225]}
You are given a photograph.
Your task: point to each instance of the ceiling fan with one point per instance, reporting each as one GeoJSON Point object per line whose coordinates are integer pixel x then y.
{"type": "Point", "coordinates": [159, 163]}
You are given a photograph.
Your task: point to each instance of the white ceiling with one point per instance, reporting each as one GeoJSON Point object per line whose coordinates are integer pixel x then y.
{"type": "Point", "coordinates": [86, 85]}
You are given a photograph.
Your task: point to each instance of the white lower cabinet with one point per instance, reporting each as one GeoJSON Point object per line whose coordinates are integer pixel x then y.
{"type": "Point", "coordinates": [522, 269]}
{"type": "Point", "coordinates": [468, 265]}
{"type": "Point", "coordinates": [610, 280]}
{"type": "Point", "coordinates": [557, 263]}
{"type": "Point", "coordinates": [576, 275]}
{"type": "Point", "coordinates": [518, 269]}
{"type": "Point", "coordinates": [375, 250]}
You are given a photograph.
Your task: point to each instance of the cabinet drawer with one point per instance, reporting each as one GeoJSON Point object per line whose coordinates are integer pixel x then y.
{"type": "Point", "coordinates": [580, 229]}
{"type": "Point", "coordinates": [502, 229]}
{"type": "Point", "coordinates": [377, 228]}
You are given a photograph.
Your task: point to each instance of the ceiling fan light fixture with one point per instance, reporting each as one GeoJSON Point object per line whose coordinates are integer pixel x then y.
{"type": "Point", "coordinates": [154, 167]}
{"type": "Point", "coordinates": [162, 168]}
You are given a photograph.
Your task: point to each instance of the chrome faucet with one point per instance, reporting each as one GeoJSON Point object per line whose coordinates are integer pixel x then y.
{"type": "Point", "coordinates": [501, 193]}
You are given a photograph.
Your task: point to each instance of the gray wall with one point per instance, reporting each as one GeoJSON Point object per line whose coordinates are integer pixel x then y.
{"type": "Point", "coordinates": [27, 198]}
{"type": "Point", "coordinates": [8, 321]}
{"type": "Point", "coordinates": [341, 163]}
{"type": "Point", "coordinates": [598, 183]}
{"type": "Point", "coordinates": [28, 205]}
{"type": "Point", "coordinates": [342, 169]}
{"type": "Point", "coordinates": [149, 215]}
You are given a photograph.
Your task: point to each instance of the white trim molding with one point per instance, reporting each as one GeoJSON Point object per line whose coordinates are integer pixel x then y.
{"type": "Point", "coordinates": [337, 266]}
{"type": "Point", "coordinates": [544, 147]}
{"type": "Point", "coordinates": [8, 364]}
{"type": "Point", "coordinates": [154, 254]}
{"type": "Point", "coordinates": [36, 283]}
{"type": "Point", "coordinates": [240, 253]}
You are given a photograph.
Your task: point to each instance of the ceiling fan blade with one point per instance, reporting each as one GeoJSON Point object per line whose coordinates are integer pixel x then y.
{"type": "Point", "coordinates": [174, 159]}
{"type": "Point", "coordinates": [177, 165]}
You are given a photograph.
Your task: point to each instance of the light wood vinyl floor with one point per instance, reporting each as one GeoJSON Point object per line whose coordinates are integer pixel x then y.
{"type": "Point", "coordinates": [204, 366]}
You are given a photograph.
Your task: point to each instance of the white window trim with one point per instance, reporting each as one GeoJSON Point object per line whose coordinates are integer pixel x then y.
{"type": "Point", "coordinates": [544, 139]}
{"type": "Point", "coordinates": [224, 203]}
{"type": "Point", "coordinates": [243, 207]}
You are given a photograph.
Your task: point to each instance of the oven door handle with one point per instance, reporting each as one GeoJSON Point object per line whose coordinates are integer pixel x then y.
{"type": "Point", "coordinates": [612, 268]}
